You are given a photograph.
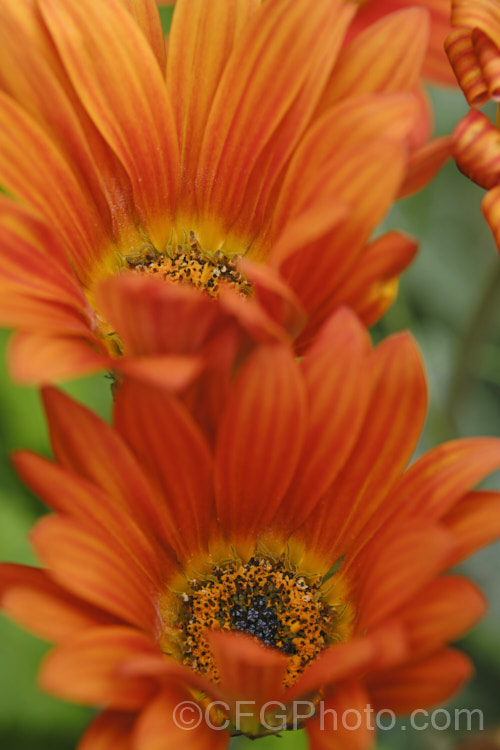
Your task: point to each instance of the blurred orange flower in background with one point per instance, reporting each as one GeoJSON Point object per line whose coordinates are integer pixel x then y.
{"type": "Point", "coordinates": [255, 169]}
{"type": "Point", "coordinates": [290, 556]}
{"type": "Point", "coordinates": [473, 48]}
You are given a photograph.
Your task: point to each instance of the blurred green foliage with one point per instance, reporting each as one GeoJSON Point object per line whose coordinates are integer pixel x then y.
{"type": "Point", "coordinates": [450, 301]}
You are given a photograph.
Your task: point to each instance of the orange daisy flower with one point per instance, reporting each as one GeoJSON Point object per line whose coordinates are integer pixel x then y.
{"type": "Point", "coordinates": [252, 160]}
{"type": "Point", "coordinates": [474, 51]}
{"type": "Point", "coordinates": [289, 563]}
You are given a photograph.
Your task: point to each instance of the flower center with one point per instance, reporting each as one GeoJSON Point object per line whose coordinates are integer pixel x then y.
{"type": "Point", "coordinates": [189, 264]}
{"type": "Point", "coordinates": [268, 600]}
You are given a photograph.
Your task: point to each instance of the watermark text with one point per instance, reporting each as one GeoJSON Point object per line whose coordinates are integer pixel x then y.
{"type": "Point", "coordinates": [275, 716]}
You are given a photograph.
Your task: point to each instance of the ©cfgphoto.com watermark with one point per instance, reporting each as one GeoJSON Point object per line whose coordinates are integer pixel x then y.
{"type": "Point", "coordinates": [274, 716]}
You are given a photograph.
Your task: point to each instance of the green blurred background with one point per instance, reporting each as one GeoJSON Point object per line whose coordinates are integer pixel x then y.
{"type": "Point", "coordinates": [450, 300]}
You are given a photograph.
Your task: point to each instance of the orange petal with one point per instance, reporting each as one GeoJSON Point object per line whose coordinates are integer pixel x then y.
{"type": "Point", "coordinates": [97, 453]}
{"type": "Point", "coordinates": [476, 148]}
{"type": "Point", "coordinates": [463, 58]}
{"type": "Point", "coordinates": [110, 730]}
{"type": "Point", "coordinates": [390, 433]}
{"type": "Point", "coordinates": [395, 568]}
{"type": "Point", "coordinates": [474, 49]}
{"type": "Point", "coordinates": [334, 372]}
{"type": "Point", "coordinates": [474, 522]}
{"type": "Point", "coordinates": [434, 483]}
{"type": "Point", "coordinates": [39, 290]}
{"type": "Point", "coordinates": [200, 42]}
{"type": "Point", "coordinates": [167, 671]}
{"type": "Point", "coordinates": [98, 59]}
{"type": "Point", "coordinates": [488, 56]}
{"type": "Point", "coordinates": [422, 684]}
{"type": "Point", "coordinates": [206, 398]}
{"type": "Point", "coordinates": [355, 503]}
{"type": "Point", "coordinates": [424, 163]}
{"type": "Point", "coordinates": [330, 178]}
{"type": "Point", "coordinates": [30, 73]}
{"type": "Point", "coordinates": [252, 317]}
{"type": "Point", "coordinates": [242, 120]}
{"type": "Point", "coordinates": [371, 286]}
{"type": "Point", "coordinates": [308, 226]}
{"type": "Point", "coordinates": [481, 14]}
{"type": "Point", "coordinates": [95, 566]}
{"type": "Point", "coordinates": [155, 317]}
{"type": "Point", "coordinates": [33, 259]}
{"type": "Point", "coordinates": [445, 610]}
{"type": "Point", "coordinates": [350, 176]}
{"type": "Point", "coordinates": [89, 668]}
{"type": "Point", "coordinates": [436, 66]}
{"type": "Point", "coordinates": [29, 161]}
{"type": "Point", "coordinates": [370, 64]}
{"type": "Point", "coordinates": [145, 14]}
{"type": "Point", "coordinates": [161, 724]}
{"type": "Point", "coordinates": [249, 671]}
{"type": "Point", "coordinates": [350, 125]}
{"type": "Point", "coordinates": [173, 452]}
{"type": "Point", "coordinates": [343, 722]}
{"type": "Point", "coordinates": [391, 644]}
{"type": "Point", "coordinates": [172, 372]}
{"type": "Point", "coordinates": [46, 317]}
{"type": "Point", "coordinates": [274, 296]}
{"type": "Point", "coordinates": [491, 209]}
{"type": "Point", "coordinates": [260, 195]}
{"type": "Point", "coordinates": [344, 661]}
{"type": "Point", "coordinates": [36, 359]}
{"type": "Point", "coordinates": [71, 495]}
{"type": "Point", "coordinates": [423, 125]}
{"type": "Point", "coordinates": [32, 599]}
{"type": "Point", "coordinates": [259, 441]}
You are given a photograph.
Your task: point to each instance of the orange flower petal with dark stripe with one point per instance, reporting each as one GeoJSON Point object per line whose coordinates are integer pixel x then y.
{"type": "Point", "coordinates": [258, 135]}
{"type": "Point", "coordinates": [285, 555]}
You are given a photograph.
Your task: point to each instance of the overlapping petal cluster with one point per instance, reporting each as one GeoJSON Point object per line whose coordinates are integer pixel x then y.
{"type": "Point", "coordinates": [305, 468]}
{"type": "Point", "coordinates": [259, 135]}
{"type": "Point", "coordinates": [473, 48]}
{"type": "Point", "coordinates": [436, 67]}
